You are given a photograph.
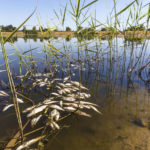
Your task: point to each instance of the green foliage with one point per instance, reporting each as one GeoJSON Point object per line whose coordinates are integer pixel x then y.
{"type": "Point", "coordinates": [68, 29]}
{"type": "Point", "coordinates": [8, 28]}
{"type": "Point", "coordinates": [136, 28]}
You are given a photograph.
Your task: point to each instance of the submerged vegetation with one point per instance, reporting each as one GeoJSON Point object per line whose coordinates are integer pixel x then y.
{"type": "Point", "coordinates": [60, 96]}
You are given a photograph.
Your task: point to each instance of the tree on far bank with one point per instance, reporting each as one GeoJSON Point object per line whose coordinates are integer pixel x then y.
{"type": "Point", "coordinates": [68, 29]}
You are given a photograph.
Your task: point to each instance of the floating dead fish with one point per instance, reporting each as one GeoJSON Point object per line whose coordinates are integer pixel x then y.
{"type": "Point", "coordinates": [37, 110]}
{"type": "Point", "coordinates": [79, 85]}
{"type": "Point", "coordinates": [48, 102]}
{"type": "Point", "coordinates": [57, 117]}
{"type": "Point", "coordinates": [61, 92]}
{"type": "Point", "coordinates": [46, 79]}
{"type": "Point", "coordinates": [7, 107]}
{"type": "Point", "coordinates": [41, 84]}
{"type": "Point", "coordinates": [69, 99]}
{"type": "Point", "coordinates": [29, 109]}
{"type": "Point", "coordinates": [86, 103]}
{"type": "Point", "coordinates": [66, 79]}
{"type": "Point", "coordinates": [35, 120]}
{"type": "Point", "coordinates": [81, 113]}
{"type": "Point", "coordinates": [56, 79]}
{"type": "Point", "coordinates": [29, 143]}
{"type": "Point", "coordinates": [54, 125]}
{"type": "Point", "coordinates": [2, 70]}
{"type": "Point", "coordinates": [2, 93]}
{"type": "Point", "coordinates": [71, 104]}
{"type": "Point", "coordinates": [95, 109]}
{"type": "Point", "coordinates": [58, 87]}
{"type": "Point", "coordinates": [54, 113]}
{"type": "Point", "coordinates": [55, 94]}
{"type": "Point", "coordinates": [3, 85]}
{"type": "Point", "coordinates": [56, 107]}
{"type": "Point", "coordinates": [68, 90]}
{"type": "Point", "coordinates": [71, 109]}
{"type": "Point", "coordinates": [62, 85]}
{"type": "Point", "coordinates": [68, 84]}
{"type": "Point", "coordinates": [61, 103]}
{"type": "Point", "coordinates": [20, 100]}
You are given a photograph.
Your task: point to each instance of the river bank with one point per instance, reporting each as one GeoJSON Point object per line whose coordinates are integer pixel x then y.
{"type": "Point", "coordinates": [64, 34]}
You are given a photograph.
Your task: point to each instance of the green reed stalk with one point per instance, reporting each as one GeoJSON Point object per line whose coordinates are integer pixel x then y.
{"type": "Point", "coordinates": [12, 87]}
{"type": "Point", "coordinates": [11, 82]}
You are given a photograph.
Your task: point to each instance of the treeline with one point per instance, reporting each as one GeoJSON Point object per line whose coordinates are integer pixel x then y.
{"type": "Point", "coordinates": [8, 28]}
{"type": "Point", "coordinates": [34, 30]}
{"type": "Point", "coordinates": [131, 28]}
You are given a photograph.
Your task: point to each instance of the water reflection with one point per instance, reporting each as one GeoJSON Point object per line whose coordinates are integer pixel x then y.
{"type": "Point", "coordinates": [111, 74]}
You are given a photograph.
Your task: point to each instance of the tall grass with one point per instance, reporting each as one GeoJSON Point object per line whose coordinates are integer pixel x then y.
{"type": "Point", "coordinates": [11, 82]}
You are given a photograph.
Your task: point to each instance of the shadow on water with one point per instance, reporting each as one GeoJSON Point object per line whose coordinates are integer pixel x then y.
{"type": "Point", "coordinates": [111, 74]}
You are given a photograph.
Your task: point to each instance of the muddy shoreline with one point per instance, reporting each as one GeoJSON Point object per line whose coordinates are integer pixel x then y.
{"type": "Point", "coordinates": [131, 34]}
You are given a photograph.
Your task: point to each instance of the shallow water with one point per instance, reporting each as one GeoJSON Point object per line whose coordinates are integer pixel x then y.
{"type": "Point", "coordinates": [122, 99]}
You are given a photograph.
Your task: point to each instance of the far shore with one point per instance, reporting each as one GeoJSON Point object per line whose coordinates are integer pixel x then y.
{"type": "Point", "coordinates": [64, 34]}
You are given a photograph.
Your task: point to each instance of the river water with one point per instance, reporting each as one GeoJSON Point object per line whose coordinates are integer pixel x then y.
{"type": "Point", "coordinates": [110, 71]}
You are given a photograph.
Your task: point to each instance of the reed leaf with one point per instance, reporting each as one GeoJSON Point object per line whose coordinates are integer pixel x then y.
{"type": "Point", "coordinates": [89, 4]}
{"type": "Point", "coordinates": [78, 8]}
{"type": "Point", "coordinates": [72, 6]}
{"type": "Point", "coordinates": [19, 27]}
{"type": "Point", "coordinates": [124, 9]}
{"type": "Point", "coordinates": [63, 20]}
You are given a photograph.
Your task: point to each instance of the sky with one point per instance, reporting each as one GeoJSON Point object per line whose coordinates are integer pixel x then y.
{"type": "Point", "coordinates": [16, 11]}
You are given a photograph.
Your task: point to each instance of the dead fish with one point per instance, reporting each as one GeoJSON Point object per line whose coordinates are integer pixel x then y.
{"type": "Point", "coordinates": [54, 113]}
{"type": "Point", "coordinates": [58, 87]}
{"type": "Point", "coordinates": [2, 93]}
{"type": "Point", "coordinates": [61, 103]}
{"type": "Point", "coordinates": [55, 94]}
{"type": "Point", "coordinates": [83, 95]}
{"type": "Point", "coordinates": [79, 85]}
{"type": "Point", "coordinates": [71, 109]}
{"type": "Point", "coordinates": [66, 79]}
{"type": "Point", "coordinates": [20, 100]}
{"type": "Point", "coordinates": [86, 103]}
{"type": "Point", "coordinates": [68, 90]}
{"type": "Point", "coordinates": [46, 79]}
{"type": "Point", "coordinates": [37, 110]}
{"type": "Point", "coordinates": [71, 104]}
{"type": "Point", "coordinates": [95, 109]}
{"type": "Point", "coordinates": [54, 125]}
{"type": "Point", "coordinates": [56, 107]}
{"type": "Point", "coordinates": [29, 109]}
{"type": "Point", "coordinates": [61, 92]}
{"type": "Point", "coordinates": [7, 107]}
{"type": "Point", "coordinates": [3, 85]}
{"type": "Point", "coordinates": [62, 85]}
{"type": "Point", "coordinates": [29, 143]}
{"type": "Point", "coordinates": [68, 84]}
{"type": "Point", "coordinates": [69, 98]}
{"type": "Point", "coordinates": [81, 113]}
{"type": "Point", "coordinates": [38, 80]}
{"type": "Point", "coordinates": [2, 70]}
{"type": "Point", "coordinates": [34, 84]}
{"type": "Point", "coordinates": [57, 117]}
{"type": "Point", "coordinates": [41, 84]}
{"type": "Point", "coordinates": [35, 120]}
{"type": "Point", "coordinates": [75, 83]}
{"type": "Point", "coordinates": [56, 79]}
{"type": "Point", "coordinates": [50, 102]}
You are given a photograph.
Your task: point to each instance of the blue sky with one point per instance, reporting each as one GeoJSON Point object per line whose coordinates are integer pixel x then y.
{"type": "Point", "coordinates": [16, 11]}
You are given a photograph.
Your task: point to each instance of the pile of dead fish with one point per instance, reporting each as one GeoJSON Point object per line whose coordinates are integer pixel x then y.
{"type": "Point", "coordinates": [68, 97]}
